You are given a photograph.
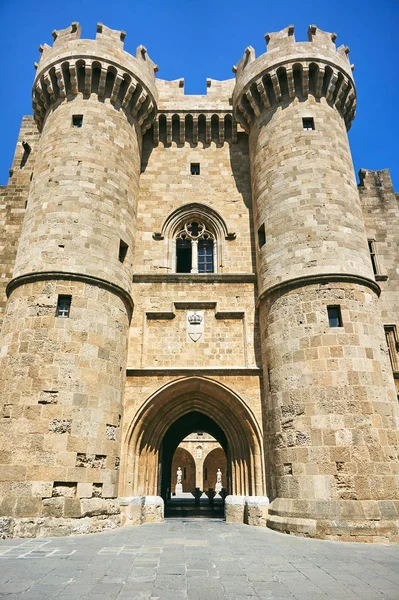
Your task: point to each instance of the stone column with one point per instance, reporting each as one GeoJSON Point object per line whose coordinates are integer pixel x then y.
{"type": "Point", "coordinates": [194, 256]}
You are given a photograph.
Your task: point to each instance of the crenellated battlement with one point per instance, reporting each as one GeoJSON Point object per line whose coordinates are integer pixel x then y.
{"type": "Point", "coordinates": [290, 69]}
{"type": "Point", "coordinates": [74, 66]}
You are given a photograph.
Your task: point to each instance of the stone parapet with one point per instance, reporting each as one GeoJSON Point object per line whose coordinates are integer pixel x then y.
{"type": "Point", "coordinates": [292, 69]}
{"type": "Point", "coordinates": [74, 66]}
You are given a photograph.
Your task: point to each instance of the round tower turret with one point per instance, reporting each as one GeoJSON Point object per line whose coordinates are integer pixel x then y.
{"type": "Point", "coordinates": [66, 326]}
{"type": "Point", "coordinates": [329, 389]}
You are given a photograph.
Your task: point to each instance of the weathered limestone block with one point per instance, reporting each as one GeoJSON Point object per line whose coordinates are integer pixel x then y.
{"type": "Point", "coordinates": [234, 508]}
{"type": "Point", "coordinates": [256, 510]}
{"type": "Point", "coordinates": [55, 526]}
{"type": "Point", "coordinates": [131, 510]}
{"type": "Point", "coordinates": [153, 509]}
{"type": "Point", "coordinates": [92, 507]}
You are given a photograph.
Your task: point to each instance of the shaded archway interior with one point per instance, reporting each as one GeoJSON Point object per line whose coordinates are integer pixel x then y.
{"type": "Point", "coordinates": [189, 423]}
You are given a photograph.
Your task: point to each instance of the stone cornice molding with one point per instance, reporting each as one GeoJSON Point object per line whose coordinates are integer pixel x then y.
{"type": "Point", "coordinates": [226, 371]}
{"type": "Point", "coordinates": [68, 276]}
{"type": "Point", "coordinates": [101, 66]}
{"type": "Point", "coordinates": [194, 278]}
{"type": "Point", "coordinates": [323, 279]}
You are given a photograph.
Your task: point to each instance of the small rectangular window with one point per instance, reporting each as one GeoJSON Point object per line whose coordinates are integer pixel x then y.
{"type": "Point", "coordinates": [195, 168]}
{"type": "Point", "coordinates": [393, 346]}
{"type": "Point", "coordinates": [334, 316]}
{"type": "Point", "coordinates": [123, 248]}
{"type": "Point", "coordinates": [308, 123]}
{"type": "Point", "coordinates": [261, 236]}
{"type": "Point", "coordinates": [77, 120]}
{"type": "Point", "coordinates": [63, 306]}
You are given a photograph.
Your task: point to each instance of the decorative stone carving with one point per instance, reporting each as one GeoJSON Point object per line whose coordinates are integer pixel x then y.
{"type": "Point", "coordinates": [195, 325]}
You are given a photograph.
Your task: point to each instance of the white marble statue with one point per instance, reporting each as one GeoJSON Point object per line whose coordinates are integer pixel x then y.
{"type": "Point", "coordinates": [179, 475]}
{"type": "Point", "coordinates": [218, 486]}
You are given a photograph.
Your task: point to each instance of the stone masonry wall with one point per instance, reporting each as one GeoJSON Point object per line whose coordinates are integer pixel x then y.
{"type": "Point", "coordinates": [159, 326]}
{"type": "Point", "coordinates": [61, 398]}
{"type": "Point", "coordinates": [332, 412]}
{"type": "Point", "coordinates": [13, 198]}
{"type": "Point", "coordinates": [381, 215]}
{"type": "Point", "coordinates": [83, 195]}
{"type": "Point", "coordinates": [303, 182]}
{"type": "Point", "coordinates": [167, 184]}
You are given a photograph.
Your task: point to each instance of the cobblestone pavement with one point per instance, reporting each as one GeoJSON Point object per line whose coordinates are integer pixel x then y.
{"type": "Point", "coordinates": [196, 559]}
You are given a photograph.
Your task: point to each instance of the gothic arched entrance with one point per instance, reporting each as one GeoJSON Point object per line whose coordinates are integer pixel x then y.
{"type": "Point", "coordinates": [177, 409]}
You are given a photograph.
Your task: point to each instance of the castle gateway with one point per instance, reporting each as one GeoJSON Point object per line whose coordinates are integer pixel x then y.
{"type": "Point", "coordinates": [175, 266]}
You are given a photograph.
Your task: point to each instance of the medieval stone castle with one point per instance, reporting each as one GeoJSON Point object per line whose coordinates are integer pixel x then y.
{"type": "Point", "coordinates": [173, 264]}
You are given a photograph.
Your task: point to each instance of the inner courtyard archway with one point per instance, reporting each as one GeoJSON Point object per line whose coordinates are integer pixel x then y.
{"type": "Point", "coordinates": [216, 459]}
{"type": "Point", "coordinates": [173, 412]}
{"type": "Point", "coordinates": [182, 427]}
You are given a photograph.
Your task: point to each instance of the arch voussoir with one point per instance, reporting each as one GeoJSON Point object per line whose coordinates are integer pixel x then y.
{"type": "Point", "coordinates": [173, 402]}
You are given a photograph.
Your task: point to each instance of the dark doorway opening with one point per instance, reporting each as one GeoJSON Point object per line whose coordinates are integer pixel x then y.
{"type": "Point", "coordinates": [193, 504]}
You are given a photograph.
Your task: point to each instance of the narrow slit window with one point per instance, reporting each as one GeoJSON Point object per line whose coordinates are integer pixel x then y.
{"type": "Point", "coordinates": [334, 316]}
{"type": "Point", "coordinates": [123, 248]}
{"type": "Point", "coordinates": [392, 345]}
{"type": "Point", "coordinates": [195, 168]}
{"type": "Point", "coordinates": [77, 120]}
{"type": "Point", "coordinates": [373, 256]}
{"type": "Point", "coordinates": [308, 123]}
{"type": "Point", "coordinates": [63, 306]}
{"type": "Point", "coordinates": [184, 473]}
{"type": "Point", "coordinates": [261, 236]}
{"type": "Point", "coordinates": [206, 474]}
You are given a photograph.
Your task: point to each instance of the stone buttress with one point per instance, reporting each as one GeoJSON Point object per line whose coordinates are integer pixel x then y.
{"type": "Point", "coordinates": [65, 374]}
{"type": "Point", "coordinates": [331, 403]}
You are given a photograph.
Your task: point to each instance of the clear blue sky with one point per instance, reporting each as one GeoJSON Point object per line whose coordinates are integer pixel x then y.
{"type": "Point", "coordinates": [204, 38]}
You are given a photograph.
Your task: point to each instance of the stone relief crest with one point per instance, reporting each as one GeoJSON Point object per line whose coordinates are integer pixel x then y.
{"type": "Point", "coordinates": [195, 325]}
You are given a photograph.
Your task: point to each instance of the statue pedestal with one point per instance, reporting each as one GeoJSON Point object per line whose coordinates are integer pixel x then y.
{"type": "Point", "coordinates": [178, 488]}
{"type": "Point", "coordinates": [218, 488]}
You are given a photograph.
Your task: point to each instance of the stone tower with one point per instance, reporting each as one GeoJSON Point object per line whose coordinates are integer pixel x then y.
{"type": "Point", "coordinates": [177, 265]}
{"type": "Point", "coordinates": [331, 401]}
{"type": "Point", "coordinates": [92, 101]}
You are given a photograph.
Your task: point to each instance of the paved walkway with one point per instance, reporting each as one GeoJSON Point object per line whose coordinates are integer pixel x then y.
{"type": "Point", "coordinates": [196, 559]}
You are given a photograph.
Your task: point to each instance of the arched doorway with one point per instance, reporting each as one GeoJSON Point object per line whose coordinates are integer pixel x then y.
{"type": "Point", "coordinates": [174, 411]}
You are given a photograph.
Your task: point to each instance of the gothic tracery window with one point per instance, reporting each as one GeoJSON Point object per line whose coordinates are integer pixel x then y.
{"type": "Point", "coordinates": [195, 249]}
